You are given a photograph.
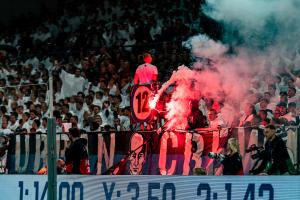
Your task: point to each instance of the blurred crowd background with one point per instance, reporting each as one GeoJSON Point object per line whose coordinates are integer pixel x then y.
{"type": "Point", "coordinates": [97, 46]}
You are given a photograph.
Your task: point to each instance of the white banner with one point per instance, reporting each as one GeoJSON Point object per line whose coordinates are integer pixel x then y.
{"type": "Point", "coordinates": [34, 187]}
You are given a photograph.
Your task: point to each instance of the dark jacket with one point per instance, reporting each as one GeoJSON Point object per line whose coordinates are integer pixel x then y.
{"type": "Point", "coordinates": [196, 120]}
{"type": "Point", "coordinates": [276, 153]}
{"type": "Point", "coordinates": [77, 157]}
{"type": "Point", "coordinates": [233, 165]}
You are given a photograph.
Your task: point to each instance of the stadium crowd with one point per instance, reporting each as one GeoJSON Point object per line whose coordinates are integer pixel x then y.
{"type": "Point", "coordinates": [93, 49]}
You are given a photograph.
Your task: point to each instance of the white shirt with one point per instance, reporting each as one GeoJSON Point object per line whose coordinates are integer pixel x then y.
{"type": "Point", "coordinates": [5, 131]}
{"type": "Point", "coordinates": [246, 118]}
{"type": "Point", "coordinates": [107, 120]}
{"type": "Point", "coordinates": [71, 85]}
{"type": "Point", "coordinates": [13, 126]}
{"type": "Point", "coordinates": [26, 126]}
{"type": "Point", "coordinates": [125, 122]}
{"type": "Point", "coordinates": [216, 123]}
{"type": "Point", "coordinates": [289, 117]}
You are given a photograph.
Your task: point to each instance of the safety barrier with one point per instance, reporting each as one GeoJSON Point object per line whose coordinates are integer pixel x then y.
{"type": "Point", "coordinates": [166, 153]}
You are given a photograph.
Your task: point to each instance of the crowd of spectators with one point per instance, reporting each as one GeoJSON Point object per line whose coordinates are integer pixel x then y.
{"type": "Point", "coordinates": [92, 50]}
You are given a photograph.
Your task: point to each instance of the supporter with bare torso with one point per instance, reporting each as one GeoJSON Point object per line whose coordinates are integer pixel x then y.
{"type": "Point", "coordinates": [146, 73]}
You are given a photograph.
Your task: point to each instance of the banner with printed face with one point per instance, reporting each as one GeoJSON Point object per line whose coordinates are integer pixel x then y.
{"type": "Point", "coordinates": [146, 153]}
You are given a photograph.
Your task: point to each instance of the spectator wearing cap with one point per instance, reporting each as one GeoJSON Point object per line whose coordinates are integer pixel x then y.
{"type": "Point", "coordinates": [146, 73]}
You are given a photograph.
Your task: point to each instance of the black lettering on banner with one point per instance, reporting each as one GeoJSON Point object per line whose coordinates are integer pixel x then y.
{"type": "Point", "coordinates": [135, 186]}
{"type": "Point", "coordinates": [145, 104]}
{"type": "Point", "coordinates": [143, 97]}
{"type": "Point", "coordinates": [108, 195]}
{"type": "Point", "coordinates": [204, 186]}
{"type": "Point", "coordinates": [152, 186]}
{"type": "Point", "coordinates": [266, 187]}
{"type": "Point", "coordinates": [169, 186]}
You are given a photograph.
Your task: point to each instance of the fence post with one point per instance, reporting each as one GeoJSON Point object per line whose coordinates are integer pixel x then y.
{"type": "Point", "coordinates": [51, 140]}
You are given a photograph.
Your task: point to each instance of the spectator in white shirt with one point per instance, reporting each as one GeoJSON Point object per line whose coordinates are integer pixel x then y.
{"type": "Point", "coordinates": [13, 123]}
{"type": "Point", "coordinates": [71, 83]}
{"type": "Point", "coordinates": [25, 122]}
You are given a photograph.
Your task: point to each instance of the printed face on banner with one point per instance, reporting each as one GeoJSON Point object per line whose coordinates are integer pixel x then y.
{"type": "Point", "coordinates": [138, 157]}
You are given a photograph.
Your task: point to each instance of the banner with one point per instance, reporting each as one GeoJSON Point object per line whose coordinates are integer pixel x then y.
{"type": "Point", "coordinates": [166, 154]}
{"type": "Point", "coordinates": [151, 187]}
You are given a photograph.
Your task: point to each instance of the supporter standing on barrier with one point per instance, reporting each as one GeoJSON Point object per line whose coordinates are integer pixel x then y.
{"type": "Point", "coordinates": [77, 161]}
{"type": "Point", "coordinates": [146, 73]}
{"type": "Point", "coordinates": [276, 154]}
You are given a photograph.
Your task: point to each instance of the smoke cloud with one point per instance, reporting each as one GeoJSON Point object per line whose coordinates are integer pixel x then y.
{"type": "Point", "coordinates": [265, 36]}
{"type": "Point", "coordinates": [269, 26]}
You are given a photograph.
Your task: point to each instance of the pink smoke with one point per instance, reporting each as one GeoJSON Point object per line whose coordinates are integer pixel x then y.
{"type": "Point", "coordinates": [227, 81]}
